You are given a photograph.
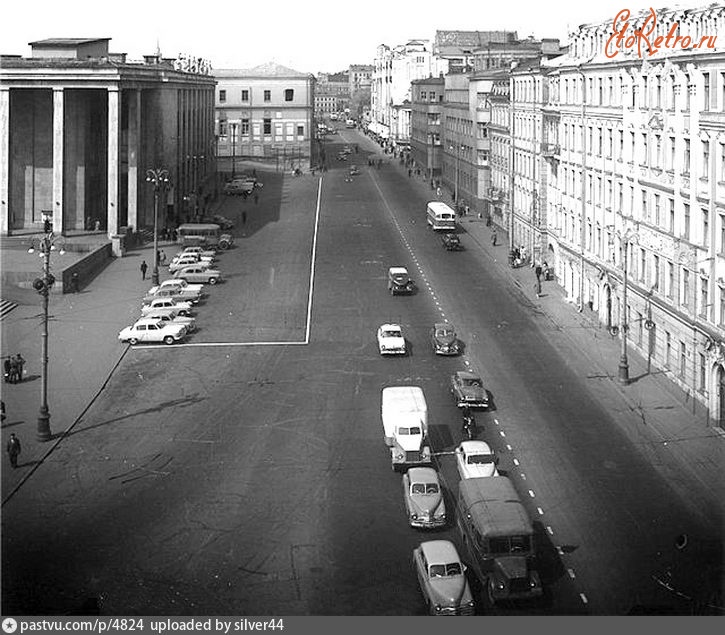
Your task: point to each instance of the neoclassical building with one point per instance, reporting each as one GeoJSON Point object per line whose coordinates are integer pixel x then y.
{"type": "Point", "coordinates": [636, 192]}
{"type": "Point", "coordinates": [79, 127]}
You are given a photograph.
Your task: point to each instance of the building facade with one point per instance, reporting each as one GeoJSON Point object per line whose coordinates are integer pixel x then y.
{"type": "Point", "coordinates": [426, 147]}
{"type": "Point", "coordinates": [332, 92]}
{"type": "Point", "coordinates": [79, 128]}
{"type": "Point", "coordinates": [637, 200]}
{"type": "Point", "coordinates": [265, 113]}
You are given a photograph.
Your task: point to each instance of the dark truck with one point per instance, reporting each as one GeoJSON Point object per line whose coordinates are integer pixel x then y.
{"type": "Point", "coordinates": [499, 536]}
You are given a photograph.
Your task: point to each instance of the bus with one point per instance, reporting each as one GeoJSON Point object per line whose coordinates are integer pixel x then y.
{"type": "Point", "coordinates": [440, 216]}
{"type": "Point", "coordinates": [205, 234]}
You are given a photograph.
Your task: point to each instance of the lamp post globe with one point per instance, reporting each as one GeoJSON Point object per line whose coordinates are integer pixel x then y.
{"type": "Point", "coordinates": [160, 179]}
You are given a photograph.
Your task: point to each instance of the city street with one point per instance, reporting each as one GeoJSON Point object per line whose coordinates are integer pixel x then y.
{"type": "Point", "coordinates": [250, 475]}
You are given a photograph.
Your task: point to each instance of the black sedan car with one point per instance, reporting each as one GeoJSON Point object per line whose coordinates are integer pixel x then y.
{"type": "Point", "coordinates": [451, 242]}
{"type": "Point", "coordinates": [444, 340]}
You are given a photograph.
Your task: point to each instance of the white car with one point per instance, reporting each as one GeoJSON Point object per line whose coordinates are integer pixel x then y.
{"type": "Point", "coordinates": [168, 315]}
{"type": "Point", "coordinates": [177, 283]}
{"type": "Point", "coordinates": [475, 459]}
{"type": "Point", "coordinates": [149, 330]}
{"type": "Point", "coordinates": [178, 307]}
{"type": "Point", "coordinates": [442, 579]}
{"type": "Point", "coordinates": [188, 259]}
{"type": "Point", "coordinates": [391, 340]}
{"type": "Point", "coordinates": [423, 498]}
{"type": "Point", "coordinates": [197, 249]}
{"type": "Point", "coordinates": [198, 273]}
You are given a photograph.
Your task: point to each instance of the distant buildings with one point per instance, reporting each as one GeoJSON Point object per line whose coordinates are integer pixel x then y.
{"type": "Point", "coordinates": [332, 93]}
{"type": "Point", "coordinates": [79, 127]}
{"type": "Point", "coordinates": [265, 113]}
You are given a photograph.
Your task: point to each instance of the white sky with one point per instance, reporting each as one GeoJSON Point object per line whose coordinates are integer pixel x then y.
{"type": "Point", "coordinates": [308, 36]}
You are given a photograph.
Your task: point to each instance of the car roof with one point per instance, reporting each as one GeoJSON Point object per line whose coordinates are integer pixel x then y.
{"type": "Point", "coordinates": [436, 551]}
{"type": "Point", "coordinates": [422, 475]}
{"type": "Point", "coordinates": [391, 326]}
{"type": "Point", "coordinates": [467, 374]}
{"type": "Point", "coordinates": [479, 447]}
{"type": "Point", "coordinates": [394, 270]}
{"type": "Point", "coordinates": [442, 325]}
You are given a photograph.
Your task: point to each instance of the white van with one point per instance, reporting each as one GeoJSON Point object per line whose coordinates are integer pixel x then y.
{"type": "Point", "coordinates": [440, 216]}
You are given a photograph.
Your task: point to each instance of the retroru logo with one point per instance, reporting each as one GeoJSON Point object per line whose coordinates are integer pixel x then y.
{"type": "Point", "coordinates": [643, 38]}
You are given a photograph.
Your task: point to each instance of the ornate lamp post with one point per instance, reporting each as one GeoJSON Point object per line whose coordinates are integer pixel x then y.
{"type": "Point", "coordinates": [629, 236]}
{"type": "Point", "coordinates": [160, 179]}
{"type": "Point", "coordinates": [45, 245]}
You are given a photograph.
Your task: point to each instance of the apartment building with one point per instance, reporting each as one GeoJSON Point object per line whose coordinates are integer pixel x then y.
{"type": "Point", "coordinates": [265, 113]}
{"type": "Point", "coordinates": [426, 147]}
{"type": "Point", "coordinates": [636, 202]}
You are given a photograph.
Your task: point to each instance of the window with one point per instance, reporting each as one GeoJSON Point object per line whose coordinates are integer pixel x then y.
{"type": "Point", "coordinates": [722, 161]}
{"type": "Point", "coordinates": [705, 158]}
{"type": "Point", "coordinates": [300, 131]}
{"type": "Point", "coordinates": [222, 95]}
{"type": "Point", "coordinates": [245, 127]}
{"type": "Point", "coordinates": [267, 126]}
{"type": "Point", "coordinates": [222, 127]}
{"type": "Point", "coordinates": [671, 203]}
{"type": "Point", "coordinates": [670, 280]}
{"type": "Point", "coordinates": [702, 372]}
{"type": "Point", "coordinates": [685, 287]}
{"type": "Point", "coordinates": [705, 227]}
{"type": "Point", "coordinates": [686, 228]}
{"type": "Point", "coordinates": [639, 328]}
{"type": "Point", "coordinates": [432, 95]}
{"type": "Point", "coordinates": [245, 94]}
{"type": "Point", "coordinates": [657, 210]}
{"type": "Point", "coordinates": [642, 264]}
{"type": "Point", "coordinates": [643, 213]}
{"type": "Point", "coordinates": [722, 306]}
{"type": "Point", "coordinates": [621, 145]}
{"type": "Point", "coordinates": [706, 91]}
{"type": "Point", "coordinates": [289, 94]}
{"type": "Point", "coordinates": [704, 297]}
{"type": "Point", "coordinates": [656, 272]}
{"type": "Point", "coordinates": [645, 151]}
{"type": "Point", "coordinates": [686, 169]}
{"type": "Point", "coordinates": [267, 95]}
{"type": "Point", "coordinates": [683, 359]}
{"type": "Point", "coordinates": [722, 233]}
{"type": "Point", "coordinates": [423, 95]}
{"type": "Point", "coordinates": [668, 349]}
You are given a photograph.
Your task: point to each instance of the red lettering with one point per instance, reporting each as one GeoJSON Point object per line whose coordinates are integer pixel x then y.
{"type": "Point", "coordinates": [686, 42]}
{"type": "Point", "coordinates": [670, 34]}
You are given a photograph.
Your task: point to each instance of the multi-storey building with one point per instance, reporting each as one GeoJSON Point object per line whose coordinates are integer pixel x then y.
{"type": "Point", "coordinates": [265, 113]}
{"type": "Point", "coordinates": [497, 197]}
{"type": "Point", "coordinates": [394, 70]}
{"type": "Point", "coordinates": [426, 148]}
{"type": "Point", "coordinates": [360, 80]}
{"type": "Point", "coordinates": [459, 47]}
{"type": "Point", "coordinates": [79, 127]}
{"type": "Point", "coordinates": [332, 92]}
{"type": "Point", "coordinates": [459, 169]}
{"type": "Point", "coordinates": [636, 206]}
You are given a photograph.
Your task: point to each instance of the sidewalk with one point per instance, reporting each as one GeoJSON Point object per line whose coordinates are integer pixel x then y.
{"type": "Point", "coordinates": [674, 433]}
{"type": "Point", "coordinates": [83, 351]}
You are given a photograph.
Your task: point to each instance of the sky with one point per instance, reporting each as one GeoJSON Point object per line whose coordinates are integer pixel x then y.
{"type": "Point", "coordinates": [309, 37]}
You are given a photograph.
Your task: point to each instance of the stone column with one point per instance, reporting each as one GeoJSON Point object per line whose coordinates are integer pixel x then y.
{"type": "Point", "coordinates": [58, 133]}
{"type": "Point", "coordinates": [113, 135]}
{"type": "Point", "coordinates": [5, 161]}
{"type": "Point", "coordinates": [134, 126]}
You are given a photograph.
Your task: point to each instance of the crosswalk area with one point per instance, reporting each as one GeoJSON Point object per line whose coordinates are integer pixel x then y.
{"type": "Point", "coordinates": [5, 307]}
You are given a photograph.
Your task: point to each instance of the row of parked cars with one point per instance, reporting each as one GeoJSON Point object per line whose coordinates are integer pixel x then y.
{"type": "Point", "coordinates": [491, 519]}
{"type": "Point", "coordinates": [167, 308]}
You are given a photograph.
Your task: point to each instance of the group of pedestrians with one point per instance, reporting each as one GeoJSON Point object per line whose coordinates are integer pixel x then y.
{"type": "Point", "coordinates": [14, 369]}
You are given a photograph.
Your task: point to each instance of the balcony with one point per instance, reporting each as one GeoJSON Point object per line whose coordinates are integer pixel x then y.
{"type": "Point", "coordinates": [550, 150]}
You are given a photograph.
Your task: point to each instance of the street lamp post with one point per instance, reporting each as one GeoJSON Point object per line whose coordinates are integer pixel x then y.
{"type": "Point", "coordinates": [160, 179]}
{"type": "Point", "coordinates": [458, 158]}
{"type": "Point", "coordinates": [42, 285]}
{"type": "Point", "coordinates": [623, 360]}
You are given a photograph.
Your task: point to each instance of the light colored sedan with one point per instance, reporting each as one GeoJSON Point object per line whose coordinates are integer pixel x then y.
{"type": "Point", "coordinates": [442, 579]}
{"type": "Point", "coordinates": [153, 331]}
{"type": "Point", "coordinates": [423, 498]}
{"type": "Point", "coordinates": [475, 459]}
{"type": "Point", "coordinates": [199, 273]}
{"type": "Point", "coordinates": [391, 340]}
{"type": "Point", "coordinates": [168, 315]}
{"type": "Point", "coordinates": [180, 308]}
{"type": "Point", "coordinates": [187, 259]}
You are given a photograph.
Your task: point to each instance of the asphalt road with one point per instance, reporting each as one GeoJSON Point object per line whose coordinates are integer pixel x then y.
{"type": "Point", "coordinates": [252, 477]}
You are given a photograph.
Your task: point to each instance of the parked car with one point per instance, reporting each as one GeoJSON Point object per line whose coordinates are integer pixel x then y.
{"type": "Point", "coordinates": [198, 273]}
{"type": "Point", "coordinates": [199, 250]}
{"type": "Point", "coordinates": [223, 222]}
{"type": "Point", "coordinates": [468, 390]}
{"type": "Point", "coordinates": [423, 498]}
{"type": "Point", "coordinates": [391, 340]}
{"type": "Point", "coordinates": [451, 242]}
{"type": "Point", "coordinates": [187, 259]}
{"type": "Point", "coordinates": [173, 293]}
{"type": "Point", "coordinates": [168, 315]}
{"type": "Point", "coordinates": [444, 340]}
{"type": "Point", "coordinates": [353, 170]}
{"type": "Point", "coordinates": [442, 579]}
{"type": "Point", "coordinates": [175, 283]}
{"type": "Point", "coordinates": [475, 459]}
{"type": "Point", "coordinates": [179, 307]}
{"type": "Point", "coordinates": [243, 186]}
{"type": "Point", "coordinates": [150, 330]}
{"type": "Point", "coordinates": [399, 281]}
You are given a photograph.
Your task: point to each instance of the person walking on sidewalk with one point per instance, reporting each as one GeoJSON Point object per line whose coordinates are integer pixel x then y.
{"type": "Point", "coordinates": [14, 449]}
{"type": "Point", "coordinates": [75, 284]}
{"type": "Point", "coordinates": [144, 267]}
{"type": "Point", "coordinates": [19, 364]}
{"type": "Point", "coordinates": [2, 411]}
{"type": "Point", "coordinates": [537, 288]}
{"type": "Point", "coordinates": [8, 366]}
{"type": "Point", "coordinates": [494, 237]}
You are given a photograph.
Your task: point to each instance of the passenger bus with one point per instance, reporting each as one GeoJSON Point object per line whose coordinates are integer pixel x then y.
{"type": "Point", "coordinates": [205, 234]}
{"type": "Point", "coordinates": [440, 216]}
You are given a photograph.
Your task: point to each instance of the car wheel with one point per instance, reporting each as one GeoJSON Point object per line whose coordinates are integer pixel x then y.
{"type": "Point", "coordinates": [133, 341]}
{"type": "Point", "coordinates": [183, 312]}
{"type": "Point", "coordinates": [184, 280]}
{"type": "Point", "coordinates": [212, 280]}
{"type": "Point", "coordinates": [223, 244]}
{"type": "Point", "coordinates": [168, 340]}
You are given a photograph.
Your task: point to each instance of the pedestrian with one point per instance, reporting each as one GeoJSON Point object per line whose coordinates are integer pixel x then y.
{"type": "Point", "coordinates": [494, 237]}
{"type": "Point", "coordinates": [162, 257]}
{"type": "Point", "coordinates": [19, 364]}
{"type": "Point", "coordinates": [537, 288]}
{"type": "Point", "coordinates": [410, 172]}
{"type": "Point", "coordinates": [75, 284]}
{"type": "Point", "coordinates": [438, 191]}
{"type": "Point", "coordinates": [144, 267]}
{"type": "Point", "coordinates": [538, 272]}
{"type": "Point", "coordinates": [14, 449]}
{"type": "Point", "coordinates": [244, 217]}
{"type": "Point", "coordinates": [432, 187]}
{"type": "Point", "coordinates": [2, 411]}
{"type": "Point", "coordinates": [174, 235]}
{"type": "Point", "coordinates": [256, 198]}
{"type": "Point", "coordinates": [8, 365]}
{"type": "Point", "coordinates": [97, 226]}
